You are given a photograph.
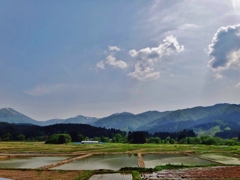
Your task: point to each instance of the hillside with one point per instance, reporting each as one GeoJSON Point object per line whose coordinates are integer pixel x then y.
{"type": "Point", "coordinates": [195, 117]}
{"type": "Point", "coordinates": [73, 120]}
{"type": "Point", "coordinates": [127, 121]}
{"type": "Point", "coordinates": [10, 115]}
{"type": "Point", "coordinates": [220, 118]}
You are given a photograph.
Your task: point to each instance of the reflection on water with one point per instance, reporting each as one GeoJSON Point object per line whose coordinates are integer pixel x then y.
{"type": "Point", "coordinates": [221, 158]}
{"type": "Point", "coordinates": [115, 161]}
{"type": "Point", "coordinates": [30, 162]}
{"type": "Point", "coordinates": [104, 161]}
{"type": "Point", "coordinates": [152, 160]}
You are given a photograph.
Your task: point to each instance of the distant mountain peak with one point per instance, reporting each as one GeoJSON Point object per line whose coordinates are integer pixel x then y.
{"type": "Point", "coordinates": [198, 118]}
{"type": "Point", "coordinates": [122, 113]}
{"type": "Point", "coordinates": [11, 110]}
{"type": "Point", "coordinates": [12, 116]}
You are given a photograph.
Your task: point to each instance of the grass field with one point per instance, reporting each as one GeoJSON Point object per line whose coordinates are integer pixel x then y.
{"type": "Point", "coordinates": [40, 147]}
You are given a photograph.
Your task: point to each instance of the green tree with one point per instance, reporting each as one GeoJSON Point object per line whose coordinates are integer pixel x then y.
{"type": "Point", "coordinates": [211, 140]}
{"type": "Point", "coordinates": [81, 137]}
{"type": "Point", "coordinates": [59, 139]}
{"type": "Point", "coordinates": [138, 137]}
{"type": "Point", "coordinates": [172, 141]}
{"type": "Point", "coordinates": [21, 137]}
{"type": "Point", "coordinates": [167, 140]}
{"type": "Point", "coordinates": [74, 136]}
{"type": "Point", "coordinates": [42, 138]}
{"type": "Point", "coordinates": [229, 142]}
{"type": "Point", "coordinates": [97, 139]}
{"type": "Point", "coordinates": [154, 140]}
{"type": "Point", "coordinates": [86, 138]}
{"type": "Point", "coordinates": [117, 138]}
{"type": "Point", "coordinates": [105, 139]}
{"type": "Point", "coordinates": [7, 137]}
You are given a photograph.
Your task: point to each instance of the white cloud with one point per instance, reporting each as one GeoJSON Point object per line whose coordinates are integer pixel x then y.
{"type": "Point", "coordinates": [101, 65]}
{"type": "Point", "coordinates": [188, 26]}
{"type": "Point", "coordinates": [147, 57]}
{"type": "Point", "coordinates": [111, 59]}
{"type": "Point", "coordinates": [225, 49]}
{"type": "Point", "coordinates": [114, 48]}
{"type": "Point", "coordinates": [218, 76]}
{"type": "Point", "coordinates": [144, 72]}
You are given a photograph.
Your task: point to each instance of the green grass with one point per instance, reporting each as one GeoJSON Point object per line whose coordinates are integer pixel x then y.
{"type": "Point", "coordinates": [85, 175]}
{"type": "Point", "coordinates": [175, 166]}
{"type": "Point", "coordinates": [136, 175]}
{"type": "Point", "coordinates": [40, 147]}
{"type": "Point", "coordinates": [134, 170]}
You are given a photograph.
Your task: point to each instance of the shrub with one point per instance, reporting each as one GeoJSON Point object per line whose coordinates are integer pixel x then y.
{"type": "Point", "coordinates": [59, 139]}
{"type": "Point", "coordinates": [136, 175]}
{"type": "Point", "coordinates": [85, 175]}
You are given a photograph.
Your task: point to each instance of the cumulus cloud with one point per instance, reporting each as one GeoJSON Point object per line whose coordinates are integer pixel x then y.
{"type": "Point", "coordinates": [111, 59]}
{"type": "Point", "coordinates": [142, 72]}
{"type": "Point", "coordinates": [225, 49]}
{"type": "Point", "coordinates": [100, 65]}
{"type": "Point", "coordinates": [146, 58]}
{"type": "Point", "coordinates": [114, 48]}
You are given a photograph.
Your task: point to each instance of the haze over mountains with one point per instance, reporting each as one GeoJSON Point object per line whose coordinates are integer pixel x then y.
{"type": "Point", "coordinates": [207, 120]}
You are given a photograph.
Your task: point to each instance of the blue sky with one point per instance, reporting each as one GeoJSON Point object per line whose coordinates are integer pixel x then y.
{"type": "Point", "coordinates": [59, 59]}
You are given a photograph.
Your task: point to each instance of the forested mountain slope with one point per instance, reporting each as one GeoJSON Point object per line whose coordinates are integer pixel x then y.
{"type": "Point", "coordinates": [210, 120]}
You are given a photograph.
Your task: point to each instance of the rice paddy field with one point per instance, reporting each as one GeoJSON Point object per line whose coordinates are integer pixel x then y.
{"type": "Point", "coordinates": [104, 161]}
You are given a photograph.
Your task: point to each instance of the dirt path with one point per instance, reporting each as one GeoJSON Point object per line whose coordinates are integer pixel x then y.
{"type": "Point", "coordinates": [63, 162]}
{"type": "Point", "coordinates": [140, 161]}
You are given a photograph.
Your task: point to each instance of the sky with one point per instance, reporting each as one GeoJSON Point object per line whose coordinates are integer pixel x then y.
{"type": "Point", "coordinates": [61, 58]}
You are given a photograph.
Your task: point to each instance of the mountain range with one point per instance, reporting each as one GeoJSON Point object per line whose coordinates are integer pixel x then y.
{"type": "Point", "coordinates": [203, 120]}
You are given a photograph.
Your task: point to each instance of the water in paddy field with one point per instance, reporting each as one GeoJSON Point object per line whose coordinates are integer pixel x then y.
{"type": "Point", "coordinates": [30, 162]}
{"type": "Point", "coordinates": [221, 158]}
{"type": "Point", "coordinates": [153, 160]}
{"type": "Point", "coordinates": [103, 161]}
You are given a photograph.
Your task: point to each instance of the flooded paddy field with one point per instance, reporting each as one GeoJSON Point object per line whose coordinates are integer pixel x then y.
{"type": "Point", "coordinates": [113, 161]}
{"type": "Point", "coordinates": [30, 162]}
{"type": "Point", "coordinates": [152, 160]}
{"type": "Point", "coordinates": [222, 158]}
{"type": "Point", "coordinates": [19, 160]}
{"type": "Point", "coordinates": [102, 161]}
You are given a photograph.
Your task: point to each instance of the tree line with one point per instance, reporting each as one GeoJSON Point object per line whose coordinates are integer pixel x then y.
{"type": "Point", "coordinates": [64, 133]}
{"type": "Point", "coordinates": [42, 133]}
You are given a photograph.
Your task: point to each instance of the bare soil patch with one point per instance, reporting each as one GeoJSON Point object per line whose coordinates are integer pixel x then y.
{"type": "Point", "coordinates": [219, 172]}
{"type": "Point", "coordinates": [40, 174]}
